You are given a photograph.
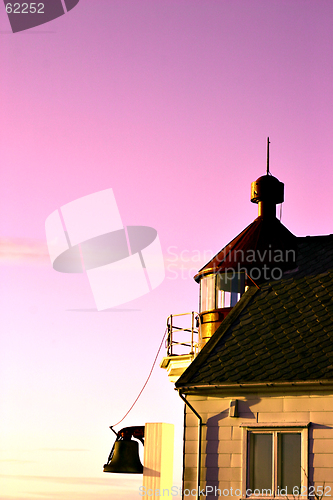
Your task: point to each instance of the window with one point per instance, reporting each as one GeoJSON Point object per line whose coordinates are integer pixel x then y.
{"type": "Point", "coordinates": [218, 291]}
{"type": "Point", "coordinates": [274, 461]}
{"type": "Point", "coordinates": [207, 293]}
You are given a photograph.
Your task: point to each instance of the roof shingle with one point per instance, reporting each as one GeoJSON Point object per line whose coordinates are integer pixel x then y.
{"type": "Point", "coordinates": [280, 332]}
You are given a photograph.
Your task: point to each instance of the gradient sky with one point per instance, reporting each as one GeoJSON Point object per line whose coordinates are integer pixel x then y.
{"type": "Point", "coordinates": [169, 103]}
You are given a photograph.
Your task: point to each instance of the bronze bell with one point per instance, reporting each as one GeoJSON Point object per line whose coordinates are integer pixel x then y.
{"type": "Point", "coordinates": [124, 457]}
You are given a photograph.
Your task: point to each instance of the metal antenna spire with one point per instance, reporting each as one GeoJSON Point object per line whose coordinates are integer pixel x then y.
{"type": "Point", "coordinates": [268, 143]}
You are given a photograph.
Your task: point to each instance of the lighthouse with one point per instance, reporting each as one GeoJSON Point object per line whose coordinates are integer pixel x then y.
{"type": "Point", "coordinates": [265, 250]}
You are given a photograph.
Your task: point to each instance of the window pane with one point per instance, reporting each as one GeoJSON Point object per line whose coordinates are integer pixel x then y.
{"type": "Point", "coordinates": [207, 293]}
{"type": "Point", "coordinates": [229, 288]}
{"type": "Point", "coordinates": [234, 298]}
{"type": "Point", "coordinates": [220, 299]}
{"type": "Point", "coordinates": [261, 461]}
{"type": "Point", "coordinates": [231, 282]}
{"type": "Point", "coordinates": [227, 299]}
{"type": "Point", "coordinates": [289, 461]}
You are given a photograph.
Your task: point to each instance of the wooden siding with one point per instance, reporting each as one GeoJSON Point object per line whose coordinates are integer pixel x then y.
{"type": "Point", "coordinates": [222, 437]}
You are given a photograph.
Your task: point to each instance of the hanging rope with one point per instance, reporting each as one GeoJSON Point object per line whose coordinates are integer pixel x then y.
{"type": "Point", "coordinates": [111, 427]}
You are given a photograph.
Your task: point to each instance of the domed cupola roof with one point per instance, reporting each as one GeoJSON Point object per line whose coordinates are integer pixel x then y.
{"type": "Point", "coordinates": [265, 248]}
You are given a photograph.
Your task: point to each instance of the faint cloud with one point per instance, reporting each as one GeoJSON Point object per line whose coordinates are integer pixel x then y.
{"type": "Point", "coordinates": [17, 461]}
{"type": "Point", "coordinates": [23, 251]}
{"type": "Point", "coordinates": [95, 481]}
{"type": "Point", "coordinates": [63, 449]}
{"type": "Point", "coordinates": [104, 311]}
{"type": "Point", "coordinates": [73, 488]}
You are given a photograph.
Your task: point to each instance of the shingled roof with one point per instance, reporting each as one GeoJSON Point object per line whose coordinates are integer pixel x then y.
{"type": "Point", "coordinates": [281, 332]}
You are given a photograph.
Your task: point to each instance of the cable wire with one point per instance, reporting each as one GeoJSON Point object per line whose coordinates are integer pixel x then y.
{"type": "Point", "coordinates": [144, 383]}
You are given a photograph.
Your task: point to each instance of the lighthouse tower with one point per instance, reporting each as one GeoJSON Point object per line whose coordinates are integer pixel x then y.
{"type": "Point", "coordinates": [263, 251]}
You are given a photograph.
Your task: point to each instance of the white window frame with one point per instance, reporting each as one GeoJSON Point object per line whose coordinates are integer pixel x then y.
{"type": "Point", "coordinates": [216, 298]}
{"type": "Point", "coordinates": [208, 293]}
{"type": "Point", "coordinates": [275, 429]}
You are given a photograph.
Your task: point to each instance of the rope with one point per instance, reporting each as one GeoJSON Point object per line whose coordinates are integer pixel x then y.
{"type": "Point", "coordinates": [144, 383]}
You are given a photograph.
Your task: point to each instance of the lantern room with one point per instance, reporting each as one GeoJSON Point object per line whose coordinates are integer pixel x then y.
{"type": "Point", "coordinates": [219, 293]}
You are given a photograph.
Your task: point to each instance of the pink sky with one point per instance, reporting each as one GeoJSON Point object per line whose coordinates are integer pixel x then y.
{"type": "Point", "coordinates": [169, 103]}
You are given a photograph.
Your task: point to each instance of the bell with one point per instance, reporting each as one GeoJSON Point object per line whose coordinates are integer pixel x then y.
{"type": "Point", "coordinates": [125, 458]}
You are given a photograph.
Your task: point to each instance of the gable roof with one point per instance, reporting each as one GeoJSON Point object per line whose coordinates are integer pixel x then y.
{"type": "Point", "coordinates": [282, 332]}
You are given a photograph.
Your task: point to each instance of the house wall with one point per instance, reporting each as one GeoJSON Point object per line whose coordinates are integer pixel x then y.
{"type": "Point", "coordinates": [222, 444]}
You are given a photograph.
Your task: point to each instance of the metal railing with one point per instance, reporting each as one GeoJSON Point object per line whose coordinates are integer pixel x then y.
{"type": "Point", "coordinates": [190, 342]}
